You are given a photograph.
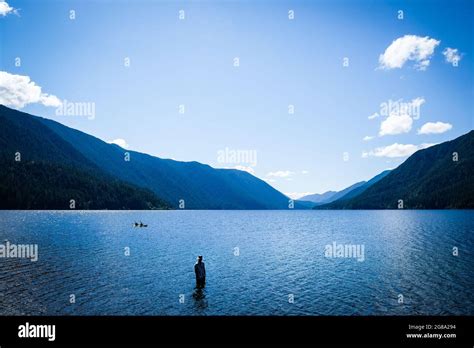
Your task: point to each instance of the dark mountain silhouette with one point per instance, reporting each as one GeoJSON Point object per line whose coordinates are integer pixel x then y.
{"type": "Point", "coordinates": [198, 185]}
{"type": "Point", "coordinates": [39, 170]}
{"type": "Point", "coordinates": [439, 177]}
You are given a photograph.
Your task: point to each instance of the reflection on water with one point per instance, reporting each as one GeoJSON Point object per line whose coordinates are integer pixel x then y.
{"type": "Point", "coordinates": [199, 297]}
{"type": "Point", "coordinates": [281, 253]}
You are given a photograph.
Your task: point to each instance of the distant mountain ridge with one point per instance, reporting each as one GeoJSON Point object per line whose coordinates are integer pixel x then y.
{"type": "Point", "coordinates": [351, 191]}
{"type": "Point", "coordinates": [59, 163]}
{"type": "Point", "coordinates": [194, 185]}
{"type": "Point", "coordinates": [318, 197]}
{"type": "Point", "coordinates": [438, 177]}
{"type": "Point", "coordinates": [355, 191]}
{"type": "Point", "coordinates": [345, 191]}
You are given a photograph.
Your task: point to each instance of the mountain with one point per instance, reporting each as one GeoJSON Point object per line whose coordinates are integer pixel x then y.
{"type": "Point", "coordinates": [304, 204]}
{"type": "Point", "coordinates": [319, 197]}
{"type": "Point", "coordinates": [40, 185]}
{"type": "Point", "coordinates": [49, 173]}
{"type": "Point", "coordinates": [346, 191]}
{"type": "Point", "coordinates": [198, 185]}
{"type": "Point", "coordinates": [331, 196]}
{"type": "Point", "coordinates": [433, 178]}
{"type": "Point", "coordinates": [361, 188]}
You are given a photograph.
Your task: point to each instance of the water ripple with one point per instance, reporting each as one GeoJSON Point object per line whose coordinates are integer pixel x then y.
{"type": "Point", "coordinates": [281, 255]}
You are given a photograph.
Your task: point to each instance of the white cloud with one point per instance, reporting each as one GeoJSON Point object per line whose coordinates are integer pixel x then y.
{"type": "Point", "coordinates": [18, 91]}
{"type": "Point", "coordinates": [50, 100]}
{"type": "Point", "coordinates": [246, 169]}
{"type": "Point", "coordinates": [424, 64]}
{"type": "Point", "coordinates": [120, 142]}
{"type": "Point", "coordinates": [409, 47]}
{"type": "Point", "coordinates": [452, 55]}
{"type": "Point", "coordinates": [435, 128]}
{"type": "Point", "coordinates": [6, 9]}
{"type": "Point", "coordinates": [396, 124]}
{"type": "Point", "coordinates": [368, 137]}
{"type": "Point", "coordinates": [395, 150]}
{"type": "Point", "coordinates": [281, 174]}
{"type": "Point", "coordinates": [304, 172]}
{"type": "Point", "coordinates": [375, 115]}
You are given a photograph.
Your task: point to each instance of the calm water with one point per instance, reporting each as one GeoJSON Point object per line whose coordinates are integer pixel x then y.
{"type": "Point", "coordinates": [280, 253]}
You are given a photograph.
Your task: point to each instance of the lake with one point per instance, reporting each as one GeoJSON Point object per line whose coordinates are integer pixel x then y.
{"type": "Point", "coordinates": [257, 263]}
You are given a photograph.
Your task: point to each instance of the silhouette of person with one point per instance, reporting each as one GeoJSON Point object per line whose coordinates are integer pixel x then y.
{"type": "Point", "coordinates": [200, 271]}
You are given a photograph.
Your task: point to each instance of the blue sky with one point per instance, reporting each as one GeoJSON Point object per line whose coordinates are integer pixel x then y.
{"type": "Point", "coordinates": [245, 108]}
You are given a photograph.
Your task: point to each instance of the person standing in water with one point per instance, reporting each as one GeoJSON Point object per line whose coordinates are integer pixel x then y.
{"type": "Point", "coordinates": [200, 271]}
